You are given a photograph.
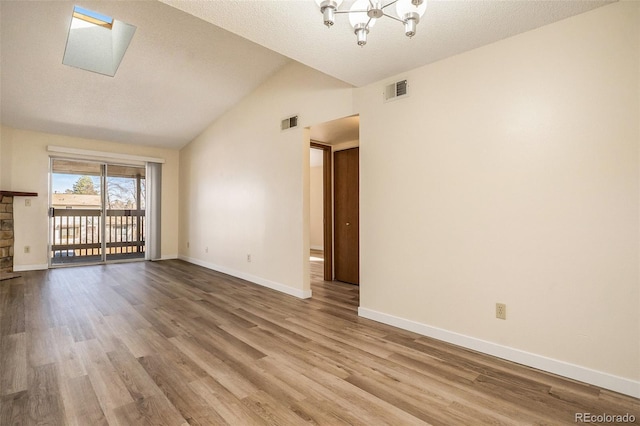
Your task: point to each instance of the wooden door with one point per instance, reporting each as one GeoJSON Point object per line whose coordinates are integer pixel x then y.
{"type": "Point", "coordinates": [347, 211]}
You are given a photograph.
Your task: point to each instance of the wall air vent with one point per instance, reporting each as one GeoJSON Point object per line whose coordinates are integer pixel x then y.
{"type": "Point", "coordinates": [289, 123]}
{"type": "Point", "coordinates": [396, 90]}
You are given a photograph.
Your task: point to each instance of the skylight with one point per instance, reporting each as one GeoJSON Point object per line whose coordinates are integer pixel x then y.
{"type": "Point", "coordinates": [84, 18]}
{"type": "Point", "coordinates": [96, 42]}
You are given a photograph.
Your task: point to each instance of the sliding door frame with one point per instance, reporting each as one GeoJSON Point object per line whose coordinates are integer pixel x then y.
{"type": "Point", "coordinates": [103, 240]}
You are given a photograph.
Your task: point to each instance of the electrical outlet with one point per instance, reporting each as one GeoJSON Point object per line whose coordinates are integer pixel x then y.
{"type": "Point", "coordinates": [27, 249]}
{"type": "Point", "coordinates": [27, 202]}
{"type": "Point", "coordinates": [249, 258]}
{"type": "Point", "coordinates": [501, 311]}
{"type": "Point", "coordinates": [206, 249]}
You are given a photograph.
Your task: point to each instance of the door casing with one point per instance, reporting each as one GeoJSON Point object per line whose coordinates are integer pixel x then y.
{"type": "Point", "coordinates": [327, 209]}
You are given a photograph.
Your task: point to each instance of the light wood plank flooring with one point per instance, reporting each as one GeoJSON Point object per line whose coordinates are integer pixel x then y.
{"type": "Point", "coordinates": [169, 343]}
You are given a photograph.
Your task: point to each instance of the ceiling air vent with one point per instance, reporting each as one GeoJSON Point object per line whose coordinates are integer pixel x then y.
{"type": "Point", "coordinates": [396, 90]}
{"type": "Point", "coordinates": [289, 123]}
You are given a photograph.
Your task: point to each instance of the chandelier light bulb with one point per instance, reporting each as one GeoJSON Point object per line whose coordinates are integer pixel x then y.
{"type": "Point", "coordinates": [410, 11]}
{"type": "Point", "coordinates": [358, 14]}
{"type": "Point", "coordinates": [328, 9]}
{"type": "Point", "coordinates": [409, 7]}
{"type": "Point", "coordinates": [360, 20]}
{"type": "Point", "coordinates": [361, 32]}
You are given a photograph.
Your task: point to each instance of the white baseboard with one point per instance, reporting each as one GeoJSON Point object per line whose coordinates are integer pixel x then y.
{"type": "Point", "coordinates": [24, 268]}
{"type": "Point", "coordinates": [572, 371]}
{"type": "Point", "coordinates": [169, 257]}
{"type": "Point", "coordinates": [321, 248]}
{"type": "Point", "coordinates": [301, 294]}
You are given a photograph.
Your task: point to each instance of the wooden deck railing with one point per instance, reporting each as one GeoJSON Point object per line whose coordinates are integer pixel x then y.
{"type": "Point", "coordinates": [77, 233]}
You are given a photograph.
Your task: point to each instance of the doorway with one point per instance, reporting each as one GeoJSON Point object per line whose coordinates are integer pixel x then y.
{"type": "Point", "coordinates": [321, 208]}
{"type": "Point", "coordinates": [331, 138]}
{"type": "Point", "coordinates": [96, 212]}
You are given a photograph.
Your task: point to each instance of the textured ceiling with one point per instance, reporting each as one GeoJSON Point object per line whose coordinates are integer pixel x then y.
{"type": "Point", "coordinates": [177, 76]}
{"type": "Point", "coordinates": [295, 29]}
{"type": "Point", "coordinates": [181, 73]}
{"type": "Point", "coordinates": [335, 132]}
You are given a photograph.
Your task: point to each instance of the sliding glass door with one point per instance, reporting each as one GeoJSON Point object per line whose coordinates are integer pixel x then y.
{"type": "Point", "coordinates": [125, 213]}
{"type": "Point", "coordinates": [97, 212]}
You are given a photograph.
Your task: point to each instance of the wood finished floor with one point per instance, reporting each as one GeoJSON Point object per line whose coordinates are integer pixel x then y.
{"type": "Point", "coordinates": [169, 343]}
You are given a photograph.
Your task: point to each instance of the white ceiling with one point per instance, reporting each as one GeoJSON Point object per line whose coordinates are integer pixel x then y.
{"type": "Point", "coordinates": [177, 76]}
{"type": "Point", "coordinates": [181, 73]}
{"type": "Point", "coordinates": [334, 132]}
{"type": "Point", "coordinates": [295, 29]}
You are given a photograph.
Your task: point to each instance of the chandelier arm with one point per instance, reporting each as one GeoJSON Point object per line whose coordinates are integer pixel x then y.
{"type": "Point", "coordinates": [350, 11]}
{"type": "Point", "coordinates": [371, 3]}
{"type": "Point", "coordinates": [389, 4]}
{"type": "Point", "coordinates": [368, 22]}
{"type": "Point", "coordinates": [393, 17]}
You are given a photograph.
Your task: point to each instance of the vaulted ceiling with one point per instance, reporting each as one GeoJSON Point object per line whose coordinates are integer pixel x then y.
{"type": "Point", "coordinates": [190, 61]}
{"type": "Point", "coordinates": [449, 27]}
{"type": "Point", "coordinates": [179, 74]}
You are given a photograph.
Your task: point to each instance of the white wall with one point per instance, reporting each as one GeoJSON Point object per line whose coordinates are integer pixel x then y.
{"type": "Point", "coordinates": [5, 164]}
{"type": "Point", "coordinates": [514, 179]}
{"type": "Point", "coordinates": [244, 183]}
{"type": "Point", "coordinates": [27, 168]}
{"type": "Point", "coordinates": [316, 209]}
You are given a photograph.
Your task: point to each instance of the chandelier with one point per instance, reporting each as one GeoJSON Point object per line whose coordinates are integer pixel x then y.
{"type": "Point", "coordinates": [363, 14]}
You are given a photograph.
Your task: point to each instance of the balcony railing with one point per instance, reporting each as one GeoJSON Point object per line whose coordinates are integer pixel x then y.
{"type": "Point", "coordinates": [77, 235]}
